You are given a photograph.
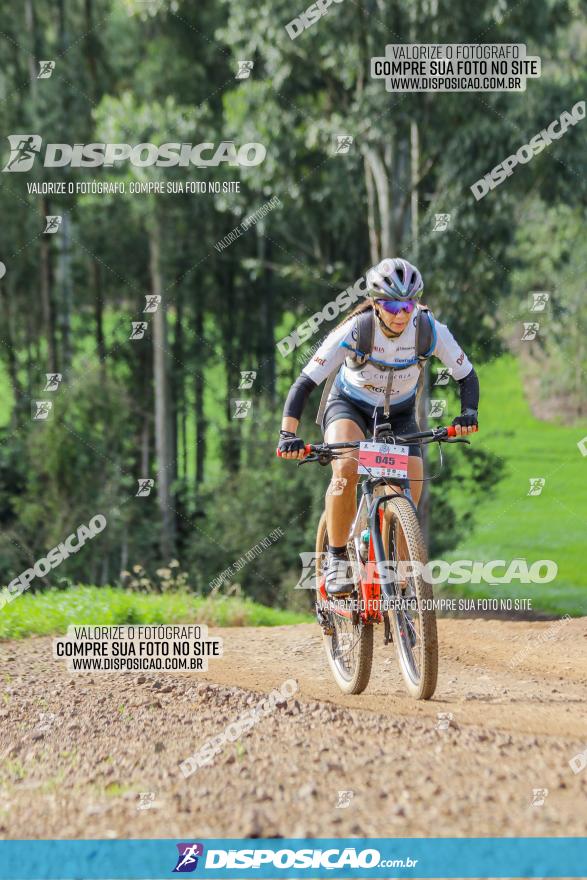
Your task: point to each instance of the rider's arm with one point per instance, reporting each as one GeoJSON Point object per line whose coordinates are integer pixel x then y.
{"type": "Point", "coordinates": [469, 391]}
{"type": "Point", "coordinates": [327, 358]}
{"type": "Point", "coordinates": [296, 400]}
{"type": "Point", "coordinates": [452, 355]}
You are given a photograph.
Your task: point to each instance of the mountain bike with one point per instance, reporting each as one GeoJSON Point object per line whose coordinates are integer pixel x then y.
{"type": "Point", "coordinates": [388, 557]}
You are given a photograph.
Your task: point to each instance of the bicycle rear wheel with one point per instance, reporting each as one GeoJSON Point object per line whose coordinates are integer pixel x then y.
{"type": "Point", "coordinates": [348, 642]}
{"type": "Point", "coordinates": [414, 623]}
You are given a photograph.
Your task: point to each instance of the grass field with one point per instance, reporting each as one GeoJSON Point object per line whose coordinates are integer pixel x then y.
{"type": "Point", "coordinates": [510, 524]}
{"type": "Point", "coordinates": [513, 524]}
{"type": "Point", "coordinates": [52, 611]}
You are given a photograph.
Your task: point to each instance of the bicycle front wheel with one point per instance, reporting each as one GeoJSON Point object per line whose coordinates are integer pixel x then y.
{"type": "Point", "coordinates": [348, 642]}
{"type": "Point", "coordinates": [414, 619]}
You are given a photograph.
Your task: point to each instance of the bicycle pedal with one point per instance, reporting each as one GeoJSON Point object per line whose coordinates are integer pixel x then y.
{"type": "Point", "coordinates": [323, 622]}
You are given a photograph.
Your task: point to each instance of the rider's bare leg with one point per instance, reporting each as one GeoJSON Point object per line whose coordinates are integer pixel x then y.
{"type": "Point", "coordinates": [341, 496]}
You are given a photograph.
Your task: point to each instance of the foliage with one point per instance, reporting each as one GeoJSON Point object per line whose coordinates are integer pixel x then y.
{"type": "Point", "coordinates": [52, 611]}
{"type": "Point", "coordinates": [549, 261]}
{"type": "Point", "coordinates": [512, 524]}
{"type": "Point", "coordinates": [166, 72]}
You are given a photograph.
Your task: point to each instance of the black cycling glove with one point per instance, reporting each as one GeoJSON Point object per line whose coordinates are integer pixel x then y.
{"type": "Point", "coordinates": [288, 442]}
{"type": "Point", "coordinates": [467, 419]}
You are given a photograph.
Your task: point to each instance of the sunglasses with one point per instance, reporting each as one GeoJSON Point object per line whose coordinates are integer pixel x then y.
{"type": "Point", "coordinates": [394, 306]}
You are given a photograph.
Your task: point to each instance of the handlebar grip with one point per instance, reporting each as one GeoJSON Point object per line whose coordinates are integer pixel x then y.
{"type": "Point", "coordinates": [451, 430]}
{"type": "Point", "coordinates": [307, 450]}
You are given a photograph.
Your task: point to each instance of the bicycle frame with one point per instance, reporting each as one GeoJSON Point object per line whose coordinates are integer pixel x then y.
{"type": "Point", "coordinates": [375, 578]}
{"type": "Point", "coordinates": [378, 591]}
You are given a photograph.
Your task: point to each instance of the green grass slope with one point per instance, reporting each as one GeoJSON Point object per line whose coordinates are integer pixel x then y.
{"type": "Point", "coordinates": [513, 524]}
{"type": "Point", "coordinates": [52, 611]}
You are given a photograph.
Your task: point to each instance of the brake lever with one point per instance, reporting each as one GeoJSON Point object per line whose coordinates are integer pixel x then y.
{"type": "Point", "coordinates": [308, 458]}
{"type": "Point", "coordinates": [323, 458]}
{"type": "Point", "coordinates": [456, 440]}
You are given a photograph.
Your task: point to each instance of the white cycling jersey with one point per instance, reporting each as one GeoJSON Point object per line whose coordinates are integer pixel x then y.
{"type": "Point", "coordinates": [367, 385]}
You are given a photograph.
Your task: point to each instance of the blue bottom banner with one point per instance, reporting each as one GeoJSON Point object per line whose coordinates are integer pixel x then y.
{"type": "Point", "coordinates": [482, 857]}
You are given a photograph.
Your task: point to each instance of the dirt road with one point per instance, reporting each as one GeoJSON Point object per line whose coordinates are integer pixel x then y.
{"type": "Point", "coordinates": [80, 769]}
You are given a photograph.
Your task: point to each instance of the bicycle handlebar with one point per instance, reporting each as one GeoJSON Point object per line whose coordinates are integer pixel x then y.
{"type": "Point", "coordinates": [434, 435]}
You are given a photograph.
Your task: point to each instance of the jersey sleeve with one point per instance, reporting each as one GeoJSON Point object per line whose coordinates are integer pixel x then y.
{"type": "Point", "coordinates": [450, 352]}
{"type": "Point", "coordinates": [331, 353]}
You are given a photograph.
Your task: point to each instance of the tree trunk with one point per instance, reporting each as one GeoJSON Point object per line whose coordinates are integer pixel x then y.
{"type": "Point", "coordinates": [124, 550]}
{"type": "Point", "coordinates": [48, 306]}
{"type": "Point", "coordinates": [424, 505]}
{"type": "Point", "coordinates": [96, 286]}
{"type": "Point", "coordinates": [267, 324]}
{"type": "Point", "coordinates": [65, 285]}
{"type": "Point", "coordinates": [382, 188]}
{"type": "Point", "coordinates": [33, 53]}
{"type": "Point", "coordinates": [90, 46]}
{"type": "Point", "coordinates": [177, 390]}
{"type": "Point", "coordinates": [32, 353]}
{"type": "Point", "coordinates": [415, 174]}
{"type": "Point", "coordinates": [371, 221]}
{"type": "Point", "coordinates": [231, 445]}
{"type": "Point", "coordinates": [66, 291]}
{"type": "Point", "coordinates": [45, 271]}
{"type": "Point", "coordinates": [6, 297]}
{"type": "Point", "coordinates": [199, 392]}
{"type": "Point", "coordinates": [145, 469]}
{"type": "Point", "coordinates": [162, 405]}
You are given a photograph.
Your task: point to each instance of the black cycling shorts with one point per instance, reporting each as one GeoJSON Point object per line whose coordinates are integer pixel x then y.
{"type": "Point", "coordinates": [402, 416]}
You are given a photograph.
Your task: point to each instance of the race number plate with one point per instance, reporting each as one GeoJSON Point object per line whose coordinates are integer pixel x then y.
{"type": "Point", "coordinates": [383, 460]}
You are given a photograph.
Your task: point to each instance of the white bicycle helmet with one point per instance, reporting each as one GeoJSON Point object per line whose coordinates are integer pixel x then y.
{"type": "Point", "coordinates": [394, 278]}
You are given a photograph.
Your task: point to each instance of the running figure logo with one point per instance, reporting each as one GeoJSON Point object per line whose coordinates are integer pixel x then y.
{"type": "Point", "coordinates": [441, 222]}
{"type": "Point", "coordinates": [244, 69]}
{"type": "Point", "coordinates": [247, 378]}
{"type": "Point", "coordinates": [52, 223]}
{"type": "Point", "coordinates": [307, 577]}
{"type": "Point", "coordinates": [152, 302]}
{"type": "Point", "coordinates": [436, 408]}
{"type": "Point", "coordinates": [41, 409]}
{"type": "Point", "coordinates": [539, 795]}
{"type": "Point", "coordinates": [23, 149]}
{"type": "Point", "coordinates": [444, 374]}
{"type": "Point", "coordinates": [46, 68]}
{"type": "Point", "coordinates": [342, 143]}
{"type": "Point", "coordinates": [241, 408]}
{"type": "Point", "coordinates": [539, 300]}
{"type": "Point", "coordinates": [187, 860]}
{"type": "Point", "coordinates": [138, 329]}
{"type": "Point", "coordinates": [53, 381]}
{"type": "Point", "coordinates": [530, 331]}
{"type": "Point", "coordinates": [536, 485]}
{"type": "Point", "coordinates": [344, 799]}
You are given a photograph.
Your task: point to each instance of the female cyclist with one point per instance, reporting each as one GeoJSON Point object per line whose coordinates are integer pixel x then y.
{"type": "Point", "coordinates": [365, 391]}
